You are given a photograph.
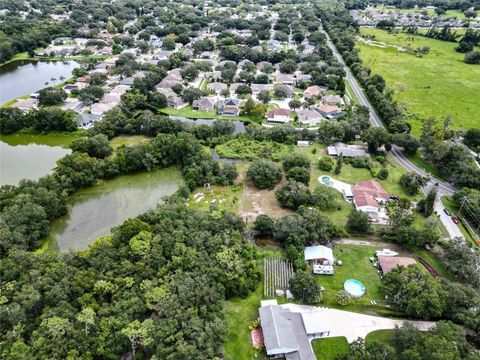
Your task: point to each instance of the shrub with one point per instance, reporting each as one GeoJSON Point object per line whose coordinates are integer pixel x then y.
{"type": "Point", "coordinates": [299, 174]}
{"type": "Point", "coordinates": [263, 225]}
{"type": "Point", "coordinates": [361, 162]}
{"type": "Point", "coordinates": [265, 174]}
{"type": "Point", "coordinates": [295, 160]}
{"type": "Point", "coordinates": [326, 198]}
{"type": "Point", "coordinates": [358, 222]}
{"type": "Point", "coordinates": [293, 194]}
{"type": "Point", "coordinates": [343, 297]}
{"type": "Point", "coordinates": [382, 174]}
{"type": "Point", "coordinates": [325, 163]}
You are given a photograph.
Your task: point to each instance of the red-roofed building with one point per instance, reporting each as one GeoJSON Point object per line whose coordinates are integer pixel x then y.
{"type": "Point", "coordinates": [368, 195]}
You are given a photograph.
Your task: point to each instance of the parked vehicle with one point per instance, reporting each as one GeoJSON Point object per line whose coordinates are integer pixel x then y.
{"type": "Point", "coordinates": [446, 211]}
{"type": "Point", "coordinates": [455, 220]}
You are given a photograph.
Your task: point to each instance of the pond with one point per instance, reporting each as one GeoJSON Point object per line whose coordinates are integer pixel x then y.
{"type": "Point", "coordinates": [28, 157]}
{"type": "Point", "coordinates": [93, 211]}
{"type": "Point", "coordinates": [24, 77]}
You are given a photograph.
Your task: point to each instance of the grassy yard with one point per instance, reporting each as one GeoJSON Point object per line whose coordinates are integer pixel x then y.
{"type": "Point", "coordinates": [247, 149]}
{"type": "Point", "coordinates": [239, 313]}
{"type": "Point", "coordinates": [329, 348]}
{"type": "Point", "coordinates": [127, 140]}
{"type": "Point", "coordinates": [437, 84]}
{"type": "Point", "coordinates": [356, 265]}
{"type": "Point", "coordinates": [187, 112]}
{"type": "Point", "coordinates": [218, 199]}
{"type": "Point", "coordinates": [352, 175]}
{"type": "Point", "coordinates": [381, 336]}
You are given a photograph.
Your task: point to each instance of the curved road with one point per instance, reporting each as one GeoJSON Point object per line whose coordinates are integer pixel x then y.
{"type": "Point", "coordinates": [443, 187]}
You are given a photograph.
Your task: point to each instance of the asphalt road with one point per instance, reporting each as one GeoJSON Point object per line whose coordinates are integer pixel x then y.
{"type": "Point", "coordinates": [443, 188]}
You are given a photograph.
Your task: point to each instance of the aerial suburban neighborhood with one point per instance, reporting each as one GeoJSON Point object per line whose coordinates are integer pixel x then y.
{"type": "Point", "coordinates": [213, 179]}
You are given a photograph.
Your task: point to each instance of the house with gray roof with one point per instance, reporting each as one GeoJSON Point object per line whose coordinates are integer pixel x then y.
{"type": "Point", "coordinates": [346, 150]}
{"type": "Point", "coordinates": [284, 334]}
{"type": "Point", "coordinates": [203, 104]}
{"type": "Point", "coordinates": [228, 107]}
{"type": "Point", "coordinates": [309, 117]}
{"type": "Point", "coordinates": [217, 87]}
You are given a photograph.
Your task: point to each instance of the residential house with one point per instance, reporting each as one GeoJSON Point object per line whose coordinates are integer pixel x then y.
{"type": "Point", "coordinates": [101, 108]}
{"type": "Point", "coordinates": [262, 64]}
{"type": "Point", "coordinates": [217, 87]}
{"type": "Point", "coordinates": [284, 79]}
{"type": "Point", "coordinates": [120, 89]}
{"type": "Point", "coordinates": [388, 263]}
{"type": "Point", "coordinates": [234, 87]}
{"type": "Point", "coordinates": [300, 76]}
{"type": "Point", "coordinates": [284, 333]}
{"type": "Point", "coordinates": [368, 196]}
{"type": "Point", "coordinates": [175, 101]}
{"type": "Point", "coordinates": [161, 55]}
{"type": "Point", "coordinates": [329, 111]}
{"type": "Point", "coordinates": [206, 55]}
{"type": "Point", "coordinates": [289, 90]}
{"type": "Point", "coordinates": [203, 104]}
{"type": "Point", "coordinates": [333, 100]}
{"type": "Point", "coordinates": [256, 88]}
{"type": "Point", "coordinates": [314, 91]}
{"type": "Point", "coordinates": [228, 107]}
{"type": "Point", "coordinates": [26, 104]}
{"type": "Point", "coordinates": [216, 75]}
{"type": "Point", "coordinates": [279, 115]}
{"type": "Point", "coordinates": [321, 259]}
{"type": "Point", "coordinates": [346, 150]}
{"type": "Point", "coordinates": [308, 117]}
{"type": "Point", "coordinates": [274, 46]}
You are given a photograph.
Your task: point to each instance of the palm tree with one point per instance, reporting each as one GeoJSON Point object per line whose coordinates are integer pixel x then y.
{"type": "Point", "coordinates": [46, 83]}
{"type": "Point", "coordinates": [61, 78]}
{"type": "Point", "coordinates": [52, 79]}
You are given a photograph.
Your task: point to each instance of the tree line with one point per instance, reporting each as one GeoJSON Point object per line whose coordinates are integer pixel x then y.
{"type": "Point", "coordinates": [154, 289]}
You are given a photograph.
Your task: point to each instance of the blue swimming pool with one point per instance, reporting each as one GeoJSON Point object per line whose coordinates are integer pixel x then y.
{"type": "Point", "coordinates": [326, 180]}
{"type": "Point", "coordinates": [354, 287]}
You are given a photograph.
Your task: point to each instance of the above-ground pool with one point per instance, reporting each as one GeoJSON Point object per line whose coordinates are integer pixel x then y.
{"type": "Point", "coordinates": [354, 287]}
{"type": "Point", "coordinates": [326, 180]}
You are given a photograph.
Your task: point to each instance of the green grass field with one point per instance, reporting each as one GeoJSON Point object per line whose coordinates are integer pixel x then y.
{"type": "Point", "coordinates": [437, 84]}
{"type": "Point", "coordinates": [329, 348]}
{"type": "Point", "coordinates": [356, 265]}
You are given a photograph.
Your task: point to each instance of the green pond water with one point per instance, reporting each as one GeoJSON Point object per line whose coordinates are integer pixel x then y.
{"type": "Point", "coordinates": [24, 156]}
{"type": "Point", "coordinates": [93, 211]}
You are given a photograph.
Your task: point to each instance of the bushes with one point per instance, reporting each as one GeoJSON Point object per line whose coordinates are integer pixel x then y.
{"type": "Point", "coordinates": [358, 222]}
{"type": "Point", "coordinates": [412, 182]}
{"type": "Point", "coordinates": [299, 174]}
{"type": "Point", "coordinates": [382, 174]}
{"type": "Point", "coordinates": [293, 194]}
{"type": "Point", "coordinates": [361, 162]}
{"type": "Point", "coordinates": [295, 160]}
{"type": "Point", "coordinates": [325, 198]}
{"type": "Point", "coordinates": [325, 163]}
{"type": "Point", "coordinates": [265, 174]}
{"type": "Point", "coordinates": [247, 149]}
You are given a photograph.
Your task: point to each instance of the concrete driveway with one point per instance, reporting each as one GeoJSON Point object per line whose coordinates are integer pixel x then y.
{"type": "Point", "coordinates": [349, 324]}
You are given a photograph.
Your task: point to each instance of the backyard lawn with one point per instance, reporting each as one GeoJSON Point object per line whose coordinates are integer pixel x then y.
{"type": "Point", "coordinates": [239, 314]}
{"type": "Point", "coordinates": [329, 348]}
{"type": "Point", "coordinates": [127, 140]}
{"type": "Point", "coordinates": [218, 198]}
{"type": "Point", "coordinates": [438, 84]}
{"type": "Point", "coordinates": [356, 265]}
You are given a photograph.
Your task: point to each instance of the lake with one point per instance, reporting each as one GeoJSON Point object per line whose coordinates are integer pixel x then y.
{"type": "Point", "coordinates": [28, 157]}
{"type": "Point", "coordinates": [24, 77]}
{"type": "Point", "coordinates": [93, 211]}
